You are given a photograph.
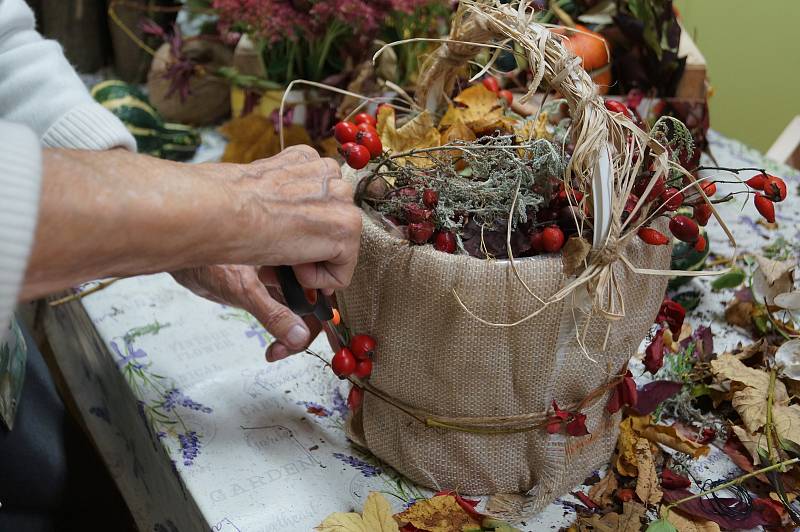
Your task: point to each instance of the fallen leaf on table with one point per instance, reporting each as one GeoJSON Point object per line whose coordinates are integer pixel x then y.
{"type": "Point", "coordinates": [626, 462]}
{"type": "Point", "coordinates": [603, 491]}
{"type": "Point", "coordinates": [685, 524]}
{"type": "Point", "coordinates": [788, 356]}
{"type": "Point", "coordinates": [701, 510]}
{"type": "Point", "coordinates": [253, 137]}
{"type": "Point", "coordinates": [629, 521]}
{"type": "Point", "coordinates": [661, 525]}
{"type": "Point", "coordinates": [437, 514]}
{"type": "Point", "coordinates": [417, 133]}
{"type": "Point", "coordinates": [787, 422]}
{"type": "Point", "coordinates": [647, 485]}
{"type": "Point", "coordinates": [653, 394]}
{"type": "Point", "coordinates": [772, 277]}
{"type": "Point", "coordinates": [376, 517]}
{"type": "Point", "coordinates": [667, 435]}
{"type": "Point", "coordinates": [739, 313]}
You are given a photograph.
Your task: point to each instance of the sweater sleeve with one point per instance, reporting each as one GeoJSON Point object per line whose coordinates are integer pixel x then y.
{"type": "Point", "coordinates": [20, 175]}
{"type": "Point", "coordinates": [39, 88]}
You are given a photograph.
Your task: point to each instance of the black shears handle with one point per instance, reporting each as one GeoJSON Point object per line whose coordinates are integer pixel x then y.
{"type": "Point", "coordinates": [296, 299]}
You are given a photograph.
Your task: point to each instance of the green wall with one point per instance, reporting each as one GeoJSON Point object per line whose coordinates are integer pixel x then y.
{"type": "Point", "coordinates": [752, 48]}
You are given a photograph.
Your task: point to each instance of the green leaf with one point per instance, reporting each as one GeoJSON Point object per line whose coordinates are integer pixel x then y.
{"type": "Point", "coordinates": [732, 279]}
{"type": "Point", "coordinates": [662, 525]}
{"type": "Point", "coordinates": [699, 390]}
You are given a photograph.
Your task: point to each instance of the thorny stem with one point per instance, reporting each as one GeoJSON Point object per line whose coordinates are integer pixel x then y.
{"type": "Point", "coordinates": [734, 482]}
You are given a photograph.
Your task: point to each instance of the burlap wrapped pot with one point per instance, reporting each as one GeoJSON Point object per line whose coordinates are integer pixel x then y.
{"type": "Point", "coordinates": [495, 384]}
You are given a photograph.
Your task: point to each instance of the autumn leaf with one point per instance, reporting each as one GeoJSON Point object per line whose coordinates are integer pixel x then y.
{"type": "Point", "coordinates": [751, 442]}
{"type": "Point", "coordinates": [647, 485]}
{"type": "Point", "coordinates": [684, 524]}
{"type": "Point", "coordinates": [253, 137]}
{"type": "Point", "coordinates": [772, 278]}
{"type": "Point", "coordinates": [437, 514]}
{"type": "Point", "coordinates": [376, 517]}
{"type": "Point", "coordinates": [629, 521]}
{"type": "Point", "coordinates": [477, 104]}
{"type": "Point", "coordinates": [417, 133]}
{"type": "Point", "coordinates": [668, 436]}
{"type": "Point", "coordinates": [603, 491]}
{"type": "Point", "coordinates": [626, 462]}
{"type": "Point", "coordinates": [457, 131]}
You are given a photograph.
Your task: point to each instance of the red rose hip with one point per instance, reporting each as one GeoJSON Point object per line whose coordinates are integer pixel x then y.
{"type": "Point", "coordinates": [362, 346]}
{"type": "Point", "coordinates": [684, 228]}
{"type": "Point", "coordinates": [445, 241]}
{"type": "Point", "coordinates": [421, 232]}
{"type": "Point", "coordinates": [491, 84]}
{"type": "Point", "coordinates": [365, 118]}
{"type": "Point", "coordinates": [343, 363]}
{"type": "Point", "coordinates": [355, 398]}
{"type": "Point", "coordinates": [775, 188]}
{"type": "Point", "coordinates": [430, 198]}
{"type": "Point", "coordinates": [765, 206]}
{"type": "Point", "coordinates": [653, 236]}
{"type": "Point", "coordinates": [345, 132]}
{"type": "Point", "coordinates": [552, 239]}
{"type": "Point", "coordinates": [371, 141]}
{"type": "Point", "coordinates": [363, 369]}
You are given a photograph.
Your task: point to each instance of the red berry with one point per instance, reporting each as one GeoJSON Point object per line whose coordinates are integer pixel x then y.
{"type": "Point", "coordinates": [371, 141]}
{"type": "Point", "coordinates": [552, 239]}
{"type": "Point", "coordinates": [445, 241]}
{"type": "Point", "coordinates": [509, 98]}
{"type": "Point", "coordinates": [367, 118]}
{"type": "Point", "coordinates": [345, 132]}
{"type": "Point", "coordinates": [775, 188]}
{"type": "Point", "coordinates": [416, 213]}
{"type": "Point", "coordinates": [702, 213]}
{"type": "Point", "coordinates": [356, 155]}
{"type": "Point", "coordinates": [765, 207]}
{"type": "Point", "coordinates": [709, 188]}
{"type": "Point", "coordinates": [658, 188]}
{"type": "Point", "coordinates": [757, 181]}
{"type": "Point", "coordinates": [363, 369]}
{"type": "Point", "coordinates": [672, 199]}
{"type": "Point", "coordinates": [700, 245]}
{"type": "Point", "coordinates": [653, 236]}
{"type": "Point", "coordinates": [362, 346]}
{"type": "Point", "coordinates": [421, 232]}
{"type": "Point", "coordinates": [343, 362]}
{"type": "Point", "coordinates": [537, 241]}
{"type": "Point", "coordinates": [684, 228]}
{"type": "Point", "coordinates": [430, 198]}
{"type": "Point", "coordinates": [491, 84]}
{"type": "Point", "coordinates": [365, 126]}
{"type": "Point", "coordinates": [617, 107]}
{"type": "Point", "coordinates": [355, 398]}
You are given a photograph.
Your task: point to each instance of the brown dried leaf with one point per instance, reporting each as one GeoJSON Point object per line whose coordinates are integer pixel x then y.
{"type": "Point", "coordinates": [437, 514]}
{"type": "Point", "coordinates": [668, 436]}
{"type": "Point", "coordinates": [574, 254]}
{"type": "Point", "coordinates": [685, 524]}
{"type": "Point", "coordinates": [478, 105]}
{"type": "Point", "coordinates": [772, 277]}
{"type": "Point", "coordinates": [629, 521]}
{"type": "Point", "coordinates": [751, 442]}
{"type": "Point", "coordinates": [253, 137]}
{"type": "Point", "coordinates": [417, 133]}
{"type": "Point", "coordinates": [626, 463]}
{"type": "Point", "coordinates": [787, 421]}
{"type": "Point", "coordinates": [376, 517]}
{"type": "Point", "coordinates": [457, 131]}
{"type": "Point", "coordinates": [603, 491]}
{"type": "Point", "coordinates": [647, 486]}
{"type": "Point", "coordinates": [739, 313]}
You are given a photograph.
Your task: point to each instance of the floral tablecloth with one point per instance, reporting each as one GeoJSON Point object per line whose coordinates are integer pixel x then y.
{"type": "Point", "coordinates": [200, 433]}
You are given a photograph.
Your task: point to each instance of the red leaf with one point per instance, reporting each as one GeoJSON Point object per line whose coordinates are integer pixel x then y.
{"type": "Point", "coordinates": [704, 509]}
{"type": "Point", "coordinates": [560, 414]}
{"type": "Point", "coordinates": [707, 436]}
{"type": "Point", "coordinates": [630, 395]}
{"type": "Point", "coordinates": [653, 394]}
{"type": "Point", "coordinates": [589, 503]}
{"type": "Point", "coordinates": [615, 401]}
{"type": "Point", "coordinates": [654, 354]}
{"type": "Point", "coordinates": [673, 481]}
{"type": "Point", "coordinates": [577, 427]}
{"type": "Point", "coordinates": [554, 425]}
{"type": "Point", "coordinates": [673, 314]}
{"type": "Point", "coordinates": [772, 511]}
{"type": "Point", "coordinates": [468, 505]}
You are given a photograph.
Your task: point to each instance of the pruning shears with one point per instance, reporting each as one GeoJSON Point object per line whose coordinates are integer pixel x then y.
{"type": "Point", "coordinates": [298, 300]}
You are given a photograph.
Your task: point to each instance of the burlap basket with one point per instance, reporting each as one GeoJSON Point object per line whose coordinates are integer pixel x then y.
{"type": "Point", "coordinates": [499, 382]}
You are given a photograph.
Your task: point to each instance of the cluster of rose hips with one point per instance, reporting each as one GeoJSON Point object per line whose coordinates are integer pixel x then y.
{"type": "Point", "coordinates": [355, 359]}
{"type": "Point", "coordinates": [421, 229]}
{"type": "Point", "coordinates": [359, 140]}
{"type": "Point", "coordinates": [769, 189]}
{"type": "Point", "coordinates": [493, 85]}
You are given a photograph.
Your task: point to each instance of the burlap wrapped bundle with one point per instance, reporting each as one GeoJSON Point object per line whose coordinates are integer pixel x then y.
{"type": "Point", "coordinates": [471, 354]}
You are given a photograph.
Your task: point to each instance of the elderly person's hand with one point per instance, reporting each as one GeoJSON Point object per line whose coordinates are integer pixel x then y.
{"type": "Point", "coordinates": [117, 214]}
{"type": "Point", "coordinates": [246, 287]}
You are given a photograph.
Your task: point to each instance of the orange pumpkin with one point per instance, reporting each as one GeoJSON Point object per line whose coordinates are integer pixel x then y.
{"type": "Point", "coordinates": [593, 49]}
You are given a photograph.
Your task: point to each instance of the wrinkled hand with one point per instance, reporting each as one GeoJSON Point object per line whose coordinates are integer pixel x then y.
{"type": "Point", "coordinates": [241, 287]}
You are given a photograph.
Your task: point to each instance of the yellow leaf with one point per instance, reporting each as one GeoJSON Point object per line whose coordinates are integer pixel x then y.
{"type": "Point", "coordinates": [477, 104]}
{"type": "Point", "coordinates": [626, 449]}
{"type": "Point", "coordinates": [668, 436]}
{"type": "Point", "coordinates": [253, 137]}
{"type": "Point", "coordinates": [603, 492]}
{"type": "Point", "coordinates": [377, 517]}
{"type": "Point", "coordinates": [647, 485]}
{"type": "Point", "coordinates": [437, 514]}
{"type": "Point", "coordinates": [377, 514]}
{"type": "Point", "coordinates": [457, 131]}
{"type": "Point", "coordinates": [342, 522]}
{"type": "Point", "coordinates": [685, 524]}
{"type": "Point", "coordinates": [414, 134]}
{"type": "Point", "coordinates": [534, 129]}
{"type": "Point", "coordinates": [629, 521]}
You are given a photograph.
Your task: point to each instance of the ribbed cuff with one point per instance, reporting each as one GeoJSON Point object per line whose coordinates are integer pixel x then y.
{"type": "Point", "coordinates": [20, 182]}
{"type": "Point", "coordinates": [89, 126]}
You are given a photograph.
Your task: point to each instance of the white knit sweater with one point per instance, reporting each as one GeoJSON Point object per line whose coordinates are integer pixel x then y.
{"type": "Point", "coordinates": [43, 103]}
